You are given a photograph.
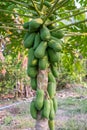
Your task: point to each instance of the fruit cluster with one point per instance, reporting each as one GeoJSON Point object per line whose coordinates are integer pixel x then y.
{"type": "Point", "coordinates": [44, 52]}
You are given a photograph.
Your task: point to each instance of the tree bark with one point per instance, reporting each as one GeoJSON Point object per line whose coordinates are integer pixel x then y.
{"type": "Point", "coordinates": [42, 83]}
{"type": "Point", "coordinates": [42, 124]}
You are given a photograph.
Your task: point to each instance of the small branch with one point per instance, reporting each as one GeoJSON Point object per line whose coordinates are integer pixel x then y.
{"type": "Point", "coordinates": [16, 13]}
{"type": "Point", "coordinates": [66, 17]}
{"type": "Point", "coordinates": [69, 25]}
{"type": "Point", "coordinates": [35, 7]}
{"type": "Point", "coordinates": [50, 11]}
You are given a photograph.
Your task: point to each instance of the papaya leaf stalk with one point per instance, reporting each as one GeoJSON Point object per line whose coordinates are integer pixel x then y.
{"type": "Point", "coordinates": [66, 26]}
{"type": "Point", "coordinates": [50, 11]}
{"type": "Point", "coordinates": [66, 17]}
{"type": "Point", "coordinates": [29, 16]}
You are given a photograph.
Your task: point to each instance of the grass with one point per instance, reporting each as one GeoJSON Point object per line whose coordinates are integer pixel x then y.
{"type": "Point", "coordinates": [8, 120]}
{"type": "Point", "coordinates": [71, 115]}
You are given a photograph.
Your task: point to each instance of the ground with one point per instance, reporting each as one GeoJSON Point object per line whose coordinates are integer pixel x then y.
{"type": "Point", "coordinates": [71, 113]}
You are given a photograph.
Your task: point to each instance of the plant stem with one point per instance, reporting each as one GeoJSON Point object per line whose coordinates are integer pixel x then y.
{"type": "Point", "coordinates": [61, 4]}
{"type": "Point", "coordinates": [41, 4]}
{"type": "Point", "coordinates": [35, 7]}
{"type": "Point", "coordinates": [82, 21]}
{"type": "Point", "coordinates": [50, 11]}
{"type": "Point", "coordinates": [69, 11]}
{"type": "Point", "coordinates": [66, 17]}
{"type": "Point", "coordinates": [16, 13]}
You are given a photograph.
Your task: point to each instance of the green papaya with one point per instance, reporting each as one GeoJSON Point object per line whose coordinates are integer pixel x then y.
{"type": "Point", "coordinates": [33, 110]}
{"type": "Point", "coordinates": [54, 71]}
{"type": "Point", "coordinates": [51, 89]}
{"type": "Point", "coordinates": [47, 4]}
{"type": "Point", "coordinates": [50, 27]}
{"type": "Point", "coordinates": [26, 25]}
{"type": "Point", "coordinates": [32, 61]}
{"type": "Point", "coordinates": [45, 33]}
{"type": "Point", "coordinates": [46, 109]}
{"type": "Point", "coordinates": [53, 55]}
{"type": "Point", "coordinates": [29, 40]}
{"type": "Point", "coordinates": [26, 35]}
{"type": "Point", "coordinates": [55, 104]}
{"type": "Point", "coordinates": [52, 17]}
{"type": "Point", "coordinates": [52, 112]}
{"type": "Point", "coordinates": [32, 71]}
{"type": "Point", "coordinates": [51, 78]}
{"type": "Point", "coordinates": [35, 24]}
{"type": "Point", "coordinates": [43, 63]}
{"type": "Point", "coordinates": [34, 83]}
{"type": "Point", "coordinates": [40, 50]}
{"type": "Point", "coordinates": [55, 44]}
{"type": "Point", "coordinates": [58, 34]}
{"type": "Point", "coordinates": [37, 41]}
{"type": "Point", "coordinates": [39, 99]}
{"type": "Point", "coordinates": [51, 124]}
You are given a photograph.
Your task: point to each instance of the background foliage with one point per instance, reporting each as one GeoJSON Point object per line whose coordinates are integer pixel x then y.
{"type": "Point", "coordinates": [13, 13]}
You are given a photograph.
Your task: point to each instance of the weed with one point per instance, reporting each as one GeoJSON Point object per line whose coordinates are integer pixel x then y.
{"type": "Point", "coordinates": [7, 120]}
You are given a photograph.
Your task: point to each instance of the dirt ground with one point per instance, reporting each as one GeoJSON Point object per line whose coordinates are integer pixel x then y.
{"type": "Point", "coordinates": [71, 113]}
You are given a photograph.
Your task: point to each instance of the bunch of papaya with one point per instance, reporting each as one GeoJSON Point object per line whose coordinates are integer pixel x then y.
{"type": "Point", "coordinates": [44, 50]}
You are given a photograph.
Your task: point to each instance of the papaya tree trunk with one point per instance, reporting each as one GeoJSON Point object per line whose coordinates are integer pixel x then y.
{"type": "Point", "coordinates": [42, 83]}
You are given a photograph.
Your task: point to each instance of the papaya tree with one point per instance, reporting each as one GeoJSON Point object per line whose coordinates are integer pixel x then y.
{"type": "Point", "coordinates": [45, 44]}
{"type": "Point", "coordinates": [43, 41]}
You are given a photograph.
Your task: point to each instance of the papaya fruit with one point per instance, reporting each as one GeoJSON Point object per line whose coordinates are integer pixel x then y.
{"type": "Point", "coordinates": [51, 78]}
{"type": "Point", "coordinates": [29, 40]}
{"type": "Point", "coordinates": [53, 55]}
{"type": "Point", "coordinates": [32, 71]}
{"type": "Point", "coordinates": [47, 4]}
{"type": "Point", "coordinates": [33, 83]}
{"type": "Point", "coordinates": [55, 44]}
{"type": "Point", "coordinates": [40, 50]}
{"type": "Point", "coordinates": [34, 24]}
{"type": "Point", "coordinates": [32, 61]}
{"type": "Point", "coordinates": [33, 110]}
{"type": "Point", "coordinates": [45, 33]}
{"type": "Point", "coordinates": [46, 109]}
{"type": "Point", "coordinates": [43, 63]}
{"type": "Point", "coordinates": [50, 27]}
{"type": "Point", "coordinates": [58, 34]}
{"type": "Point", "coordinates": [51, 89]}
{"type": "Point", "coordinates": [26, 35]}
{"type": "Point", "coordinates": [26, 25]}
{"type": "Point", "coordinates": [52, 17]}
{"type": "Point", "coordinates": [52, 112]}
{"type": "Point", "coordinates": [39, 99]}
{"type": "Point", "coordinates": [36, 41]}
{"type": "Point", "coordinates": [51, 124]}
{"type": "Point", "coordinates": [54, 71]}
{"type": "Point", "coordinates": [55, 104]}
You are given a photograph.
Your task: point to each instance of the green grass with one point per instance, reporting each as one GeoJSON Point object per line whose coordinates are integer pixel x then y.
{"type": "Point", "coordinates": [8, 120]}
{"type": "Point", "coordinates": [80, 90]}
